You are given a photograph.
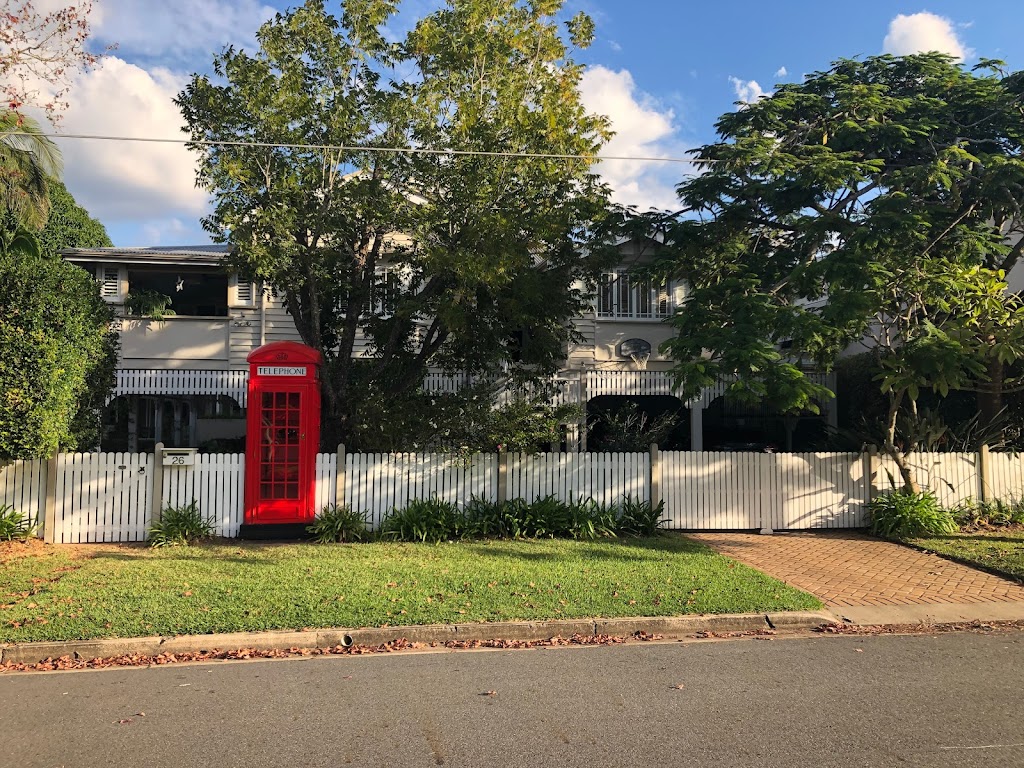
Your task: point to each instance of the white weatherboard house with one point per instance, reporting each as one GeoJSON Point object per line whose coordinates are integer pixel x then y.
{"type": "Point", "coordinates": [182, 377]}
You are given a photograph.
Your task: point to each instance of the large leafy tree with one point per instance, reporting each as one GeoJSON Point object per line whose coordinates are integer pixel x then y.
{"type": "Point", "coordinates": [56, 351]}
{"type": "Point", "coordinates": [879, 200]}
{"type": "Point", "coordinates": [480, 240]}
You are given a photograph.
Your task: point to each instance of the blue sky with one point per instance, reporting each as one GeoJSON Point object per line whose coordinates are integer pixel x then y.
{"type": "Point", "coordinates": [663, 70]}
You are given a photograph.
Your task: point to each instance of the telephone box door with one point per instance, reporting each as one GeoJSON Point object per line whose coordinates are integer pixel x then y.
{"type": "Point", "coordinates": [283, 434]}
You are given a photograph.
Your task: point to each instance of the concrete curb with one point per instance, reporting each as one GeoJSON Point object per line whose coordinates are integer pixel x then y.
{"type": "Point", "coordinates": [666, 626]}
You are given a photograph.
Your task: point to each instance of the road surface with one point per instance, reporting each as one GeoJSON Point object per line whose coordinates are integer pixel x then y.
{"type": "Point", "coordinates": [944, 700]}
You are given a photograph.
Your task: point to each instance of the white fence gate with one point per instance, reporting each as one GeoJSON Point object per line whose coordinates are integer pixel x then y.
{"type": "Point", "coordinates": [780, 491]}
{"type": "Point", "coordinates": [102, 497]}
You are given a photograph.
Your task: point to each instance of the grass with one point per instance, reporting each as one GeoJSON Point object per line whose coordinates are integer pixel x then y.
{"type": "Point", "coordinates": [123, 590]}
{"type": "Point", "coordinates": [1000, 550]}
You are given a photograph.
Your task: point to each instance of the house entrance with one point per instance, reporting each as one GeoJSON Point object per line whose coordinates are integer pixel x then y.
{"type": "Point", "coordinates": [283, 434]}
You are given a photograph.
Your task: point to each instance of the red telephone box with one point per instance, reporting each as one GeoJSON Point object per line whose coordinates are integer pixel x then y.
{"type": "Point", "coordinates": [282, 434]}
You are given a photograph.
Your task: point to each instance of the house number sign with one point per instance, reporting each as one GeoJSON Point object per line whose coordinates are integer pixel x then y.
{"type": "Point", "coordinates": [279, 370]}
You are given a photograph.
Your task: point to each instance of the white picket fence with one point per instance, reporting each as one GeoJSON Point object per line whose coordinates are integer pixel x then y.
{"type": "Point", "coordinates": [375, 483]}
{"type": "Point", "coordinates": [23, 487]}
{"type": "Point", "coordinates": [604, 477]}
{"type": "Point", "coordinates": [106, 497]}
{"type": "Point", "coordinates": [779, 491]}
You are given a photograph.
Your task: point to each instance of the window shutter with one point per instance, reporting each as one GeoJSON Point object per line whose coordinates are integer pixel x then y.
{"type": "Point", "coordinates": [110, 282]}
{"type": "Point", "coordinates": [244, 293]}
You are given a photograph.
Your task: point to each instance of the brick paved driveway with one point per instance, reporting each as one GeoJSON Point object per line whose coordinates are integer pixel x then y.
{"type": "Point", "coordinates": [850, 569]}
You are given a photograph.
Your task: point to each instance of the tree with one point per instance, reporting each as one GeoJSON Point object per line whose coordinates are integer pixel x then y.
{"type": "Point", "coordinates": [40, 51]}
{"type": "Point", "coordinates": [69, 225]}
{"type": "Point", "coordinates": [55, 339]}
{"type": "Point", "coordinates": [878, 200]}
{"type": "Point", "coordinates": [450, 249]}
{"type": "Point", "coordinates": [29, 162]}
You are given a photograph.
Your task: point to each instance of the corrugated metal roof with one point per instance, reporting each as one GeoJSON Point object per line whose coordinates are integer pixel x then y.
{"type": "Point", "coordinates": [207, 255]}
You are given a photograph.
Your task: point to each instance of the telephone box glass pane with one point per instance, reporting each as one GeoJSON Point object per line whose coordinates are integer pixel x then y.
{"type": "Point", "coordinates": [279, 445]}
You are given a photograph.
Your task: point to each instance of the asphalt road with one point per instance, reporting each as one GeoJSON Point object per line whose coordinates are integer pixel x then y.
{"type": "Point", "coordinates": [946, 700]}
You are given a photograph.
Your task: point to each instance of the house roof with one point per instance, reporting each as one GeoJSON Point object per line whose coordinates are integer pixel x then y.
{"type": "Point", "coordinates": [193, 255]}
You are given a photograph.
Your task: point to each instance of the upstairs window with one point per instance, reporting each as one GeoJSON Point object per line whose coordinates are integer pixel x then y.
{"type": "Point", "coordinates": [384, 294]}
{"type": "Point", "coordinates": [621, 295]}
{"type": "Point", "coordinates": [192, 292]}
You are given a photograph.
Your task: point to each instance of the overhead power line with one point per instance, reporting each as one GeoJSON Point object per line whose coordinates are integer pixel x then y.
{"type": "Point", "coordinates": [391, 150]}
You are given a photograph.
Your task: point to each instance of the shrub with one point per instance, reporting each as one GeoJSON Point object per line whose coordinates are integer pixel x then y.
{"type": "Point", "coordinates": [591, 520]}
{"type": "Point", "coordinates": [544, 517]}
{"type": "Point", "coordinates": [998, 513]}
{"type": "Point", "coordinates": [903, 515]}
{"type": "Point", "coordinates": [180, 526]}
{"type": "Point", "coordinates": [342, 524]}
{"type": "Point", "coordinates": [424, 520]}
{"type": "Point", "coordinates": [640, 518]}
{"type": "Point", "coordinates": [14, 524]}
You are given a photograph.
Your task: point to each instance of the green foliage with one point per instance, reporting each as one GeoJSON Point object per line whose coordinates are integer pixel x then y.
{"type": "Point", "coordinates": [641, 518]}
{"type": "Point", "coordinates": [876, 200]}
{"type": "Point", "coordinates": [462, 423]}
{"type": "Point", "coordinates": [68, 224]}
{"type": "Point", "coordinates": [146, 303]}
{"type": "Point", "coordinates": [430, 520]}
{"type": "Point", "coordinates": [629, 429]}
{"type": "Point", "coordinates": [15, 525]}
{"type": "Point", "coordinates": [545, 517]}
{"type": "Point", "coordinates": [339, 523]}
{"type": "Point", "coordinates": [180, 526]}
{"type": "Point", "coordinates": [29, 162]}
{"type": "Point", "coordinates": [493, 275]}
{"type": "Point", "coordinates": [57, 351]}
{"type": "Point", "coordinates": [989, 514]}
{"type": "Point", "coordinates": [904, 515]}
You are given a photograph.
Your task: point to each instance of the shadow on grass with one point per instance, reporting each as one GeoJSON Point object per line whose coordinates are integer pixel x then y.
{"type": "Point", "coordinates": [980, 537]}
{"type": "Point", "coordinates": [598, 549]}
{"type": "Point", "coordinates": [261, 554]}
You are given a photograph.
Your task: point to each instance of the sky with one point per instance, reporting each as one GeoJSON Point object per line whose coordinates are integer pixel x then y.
{"type": "Point", "coordinates": [662, 70]}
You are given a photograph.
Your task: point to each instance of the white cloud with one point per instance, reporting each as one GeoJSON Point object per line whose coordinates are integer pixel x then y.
{"type": "Point", "coordinates": [922, 32]}
{"type": "Point", "coordinates": [175, 31]}
{"type": "Point", "coordinates": [642, 129]}
{"type": "Point", "coordinates": [123, 180]}
{"type": "Point", "coordinates": [781, 72]}
{"type": "Point", "coordinates": [747, 91]}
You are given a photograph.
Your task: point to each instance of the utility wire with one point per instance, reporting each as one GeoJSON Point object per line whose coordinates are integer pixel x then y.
{"type": "Point", "coordinates": [392, 150]}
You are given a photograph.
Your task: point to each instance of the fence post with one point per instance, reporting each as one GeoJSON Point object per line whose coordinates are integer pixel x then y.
{"type": "Point", "coordinates": [157, 497]}
{"type": "Point", "coordinates": [655, 478]}
{"type": "Point", "coordinates": [50, 503]}
{"type": "Point", "coordinates": [339, 478]}
{"type": "Point", "coordinates": [984, 474]}
{"type": "Point", "coordinates": [871, 467]}
{"type": "Point", "coordinates": [583, 412]}
{"type": "Point", "coordinates": [502, 476]}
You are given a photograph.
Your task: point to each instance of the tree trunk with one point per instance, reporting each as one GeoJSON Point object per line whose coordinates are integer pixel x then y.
{"type": "Point", "coordinates": [895, 452]}
{"type": "Point", "coordinates": [990, 395]}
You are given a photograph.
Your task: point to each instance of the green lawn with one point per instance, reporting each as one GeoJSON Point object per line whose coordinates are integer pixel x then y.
{"type": "Point", "coordinates": [122, 591]}
{"type": "Point", "coordinates": [999, 550]}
